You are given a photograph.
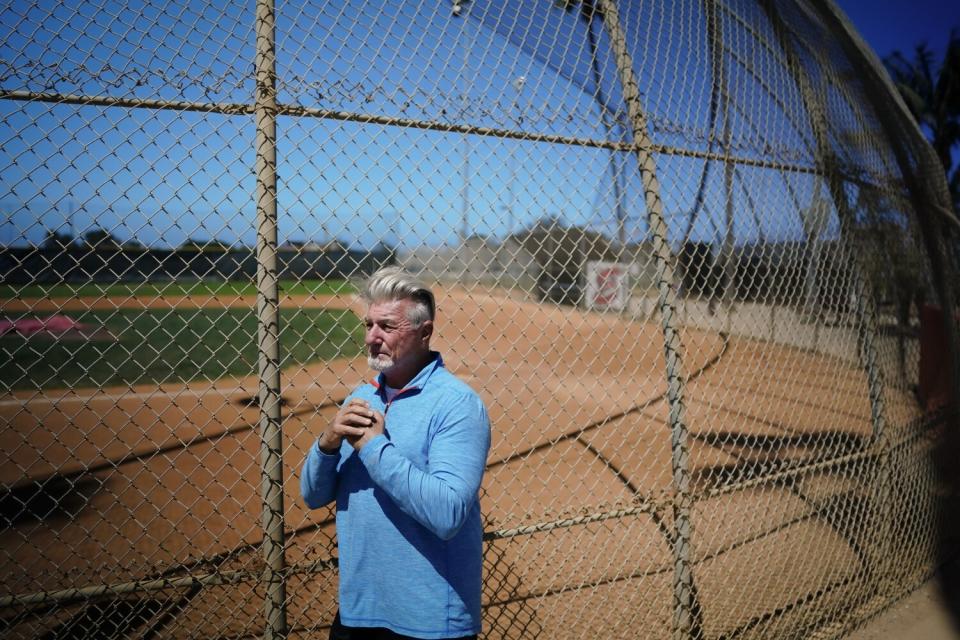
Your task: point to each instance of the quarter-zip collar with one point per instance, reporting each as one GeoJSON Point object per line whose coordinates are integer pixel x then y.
{"type": "Point", "coordinates": [417, 383]}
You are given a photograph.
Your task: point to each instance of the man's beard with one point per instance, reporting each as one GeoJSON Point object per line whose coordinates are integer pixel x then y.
{"type": "Point", "coordinates": [379, 364]}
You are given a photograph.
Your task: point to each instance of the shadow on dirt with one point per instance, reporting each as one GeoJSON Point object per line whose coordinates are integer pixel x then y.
{"type": "Point", "coordinates": [760, 455]}
{"type": "Point", "coordinates": [254, 401]}
{"type": "Point", "coordinates": [57, 498]}
{"type": "Point", "coordinates": [122, 618]}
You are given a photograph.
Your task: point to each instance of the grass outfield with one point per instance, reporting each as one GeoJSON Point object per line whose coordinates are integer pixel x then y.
{"type": "Point", "coordinates": [171, 289]}
{"type": "Point", "coordinates": [172, 346]}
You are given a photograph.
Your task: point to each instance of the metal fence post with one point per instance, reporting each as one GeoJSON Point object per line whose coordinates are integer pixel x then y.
{"type": "Point", "coordinates": [268, 324]}
{"type": "Point", "coordinates": [720, 91]}
{"type": "Point", "coordinates": [865, 311]}
{"type": "Point", "coordinates": [686, 618]}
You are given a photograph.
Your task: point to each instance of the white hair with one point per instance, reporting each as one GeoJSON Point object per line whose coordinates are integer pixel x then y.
{"type": "Point", "coordinates": [393, 283]}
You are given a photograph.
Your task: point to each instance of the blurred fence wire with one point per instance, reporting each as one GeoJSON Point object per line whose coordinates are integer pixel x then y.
{"type": "Point", "coordinates": [694, 255]}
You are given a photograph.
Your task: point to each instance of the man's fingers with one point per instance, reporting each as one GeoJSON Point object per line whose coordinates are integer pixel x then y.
{"type": "Point", "coordinates": [356, 421]}
{"type": "Point", "coordinates": [362, 419]}
{"type": "Point", "coordinates": [346, 430]}
{"type": "Point", "coordinates": [356, 405]}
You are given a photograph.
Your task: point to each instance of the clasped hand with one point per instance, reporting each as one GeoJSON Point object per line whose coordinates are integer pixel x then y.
{"type": "Point", "coordinates": [356, 422]}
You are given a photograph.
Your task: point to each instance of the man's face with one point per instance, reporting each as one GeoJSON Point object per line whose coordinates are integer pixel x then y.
{"type": "Point", "coordinates": [393, 343]}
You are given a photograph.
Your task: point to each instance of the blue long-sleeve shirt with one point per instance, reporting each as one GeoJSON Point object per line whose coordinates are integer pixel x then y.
{"type": "Point", "coordinates": [408, 516]}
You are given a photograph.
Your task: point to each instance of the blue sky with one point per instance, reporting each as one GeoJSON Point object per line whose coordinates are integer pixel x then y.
{"type": "Point", "coordinates": [889, 25]}
{"type": "Point", "coordinates": [163, 177]}
{"type": "Point", "coordinates": [901, 25]}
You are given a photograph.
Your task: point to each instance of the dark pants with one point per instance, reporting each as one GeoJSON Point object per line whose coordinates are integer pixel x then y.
{"type": "Point", "coordinates": [340, 632]}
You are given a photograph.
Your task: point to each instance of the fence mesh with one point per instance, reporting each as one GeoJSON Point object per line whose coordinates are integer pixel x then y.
{"type": "Point", "coordinates": [693, 255]}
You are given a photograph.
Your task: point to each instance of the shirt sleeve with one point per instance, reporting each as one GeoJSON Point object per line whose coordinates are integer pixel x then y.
{"type": "Point", "coordinates": [318, 479]}
{"type": "Point", "coordinates": [441, 497]}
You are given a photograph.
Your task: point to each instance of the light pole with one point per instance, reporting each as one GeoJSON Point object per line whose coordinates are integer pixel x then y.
{"type": "Point", "coordinates": [518, 83]}
{"type": "Point", "coordinates": [459, 10]}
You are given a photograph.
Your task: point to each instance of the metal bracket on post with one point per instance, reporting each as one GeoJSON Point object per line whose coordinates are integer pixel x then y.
{"type": "Point", "coordinates": [268, 324]}
{"type": "Point", "coordinates": [687, 619]}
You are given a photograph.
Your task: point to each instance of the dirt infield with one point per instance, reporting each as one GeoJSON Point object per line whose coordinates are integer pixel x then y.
{"type": "Point", "coordinates": [135, 483]}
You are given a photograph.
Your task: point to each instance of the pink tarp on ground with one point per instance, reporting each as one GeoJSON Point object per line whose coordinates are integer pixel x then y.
{"type": "Point", "coordinates": [50, 324]}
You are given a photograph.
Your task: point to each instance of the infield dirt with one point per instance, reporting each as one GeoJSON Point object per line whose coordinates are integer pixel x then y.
{"type": "Point", "coordinates": [165, 480]}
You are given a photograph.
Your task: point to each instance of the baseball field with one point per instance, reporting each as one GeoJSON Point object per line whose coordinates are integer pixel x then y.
{"type": "Point", "coordinates": [133, 465]}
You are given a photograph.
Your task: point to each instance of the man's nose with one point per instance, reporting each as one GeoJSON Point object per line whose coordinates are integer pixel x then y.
{"type": "Point", "coordinates": [373, 335]}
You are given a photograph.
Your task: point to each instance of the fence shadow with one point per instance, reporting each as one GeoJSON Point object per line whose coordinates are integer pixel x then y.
{"type": "Point", "coordinates": [57, 498]}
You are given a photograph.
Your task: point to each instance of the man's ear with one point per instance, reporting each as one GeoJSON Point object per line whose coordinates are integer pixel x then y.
{"type": "Point", "coordinates": [426, 331]}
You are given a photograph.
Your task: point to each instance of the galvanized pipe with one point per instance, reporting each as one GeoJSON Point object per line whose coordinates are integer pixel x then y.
{"type": "Point", "coordinates": [616, 167]}
{"type": "Point", "coordinates": [719, 70]}
{"type": "Point", "coordinates": [686, 619]}
{"type": "Point", "coordinates": [64, 597]}
{"type": "Point", "coordinates": [411, 123]}
{"type": "Point", "coordinates": [865, 312]}
{"type": "Point", "coordinates": [268, 325]}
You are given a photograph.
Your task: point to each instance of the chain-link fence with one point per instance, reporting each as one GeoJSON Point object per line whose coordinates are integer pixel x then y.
{"type": "Point", "coordinates": [693, 255]}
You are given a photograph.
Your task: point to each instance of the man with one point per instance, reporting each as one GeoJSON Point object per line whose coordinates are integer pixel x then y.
{"type": "Point", "coordinates": [404, 458]}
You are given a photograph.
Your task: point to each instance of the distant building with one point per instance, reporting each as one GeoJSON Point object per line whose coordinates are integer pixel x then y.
{"type": "Point", "coordinates": [477, 259]}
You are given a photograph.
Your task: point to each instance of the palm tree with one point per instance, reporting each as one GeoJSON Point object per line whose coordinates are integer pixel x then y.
{"type": "Point", "coordinates": [933, 96]}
